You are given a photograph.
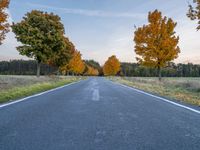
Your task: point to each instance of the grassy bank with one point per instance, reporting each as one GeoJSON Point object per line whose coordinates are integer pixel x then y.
{"type": "Point", "coordinates": [15, 87]}
{"type": "Point", "coordinates": [181, 89]}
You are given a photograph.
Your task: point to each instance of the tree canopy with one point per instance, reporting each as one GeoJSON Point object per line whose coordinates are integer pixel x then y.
{"type": "Point", "coordinates": [41, 35]}
{"type": "Point", "coordinates": [4, 25]}
{"type": "Point", "coordinates": [63, 56]}
{"type": "Point", "coordinates": [91, 71]}
{"type": "Point", "coordinates": [156, 42]}
{"type": "Point", "coordinates": [76, 64]}
{"type": "Point", "coordinates": [111, 66]}
{"type": "Point", "coordinates": [194, 12]}
{"type": "Point", "coordinates": [93, 63]}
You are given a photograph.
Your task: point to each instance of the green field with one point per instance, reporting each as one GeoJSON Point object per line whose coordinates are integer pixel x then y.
{"type": "Point", "coordinates": [181, 89]}
{"type": "Point", "coordinates": [15, 87]}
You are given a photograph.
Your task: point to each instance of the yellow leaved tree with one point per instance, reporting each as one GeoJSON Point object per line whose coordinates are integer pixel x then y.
{"type": "Point", "coordinates": [4, 26]}
{"type": "Point", "coordinates": [156, 43]}
{"type": "Point", "coordinates": [90, 71]}
{"type": "Point", "coordinates": [76, 64]}
{"type": "Point", "coordinates": [111, 66]}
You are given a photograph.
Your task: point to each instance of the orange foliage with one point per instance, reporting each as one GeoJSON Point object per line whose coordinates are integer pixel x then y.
{"type": "Point", "coordinates": [156, 43]}
{"type": "Point", "coordinates": [4, 26]}
{"type": "Point", "coordinates": [91, 71]}
{"type": "Point", "coordinates": [111, 66]}
{"type": "Point", "coordinates": [76, 64]}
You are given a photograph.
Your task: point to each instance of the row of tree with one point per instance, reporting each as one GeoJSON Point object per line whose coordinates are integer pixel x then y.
{"type": "Point", "coordinates": [29, 67]}
{"type": "Point", "coordinates": [24, 67]}
{"type": "Point", "coordinates": [42, 37]}
{"type": "Point", "coordinates": [171, 70]}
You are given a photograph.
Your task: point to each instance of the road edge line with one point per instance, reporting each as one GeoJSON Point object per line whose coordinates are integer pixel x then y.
{"type": "Point", "coordinates": [36, 95]}
{"type": "Point", "coordinates": [158, 97]}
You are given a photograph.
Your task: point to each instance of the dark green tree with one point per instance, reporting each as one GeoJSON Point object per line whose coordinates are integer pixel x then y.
{"type": "Point", "coordinates": [64, 55]}
{"type": "Point", "coordinates": [194, 12]}
{"type": "Point", "coordinates": [41, 35]}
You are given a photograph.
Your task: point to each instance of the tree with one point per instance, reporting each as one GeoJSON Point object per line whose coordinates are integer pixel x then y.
{"type": "Point", "coordinates": [194, 12]}
{"type": "Point", "coordinates": [90, 71]}
{"type": "Point", "coordinates": [4, 25]}
{"type": "Point", "coordinates": [111, 66]}
{"type": "Point", "coordinates": [41, 35]}
{"type": "Point", "coordinates": [95, 66]}
{"type": "Point", "coordinates": [62, 58]}
{"type": "Point", "coordinates": [156, 43]}
{"type": "Point", "coordinates": [76, 64]}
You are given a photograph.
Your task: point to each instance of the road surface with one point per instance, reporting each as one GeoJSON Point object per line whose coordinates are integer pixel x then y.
{"type": "Point", "coordinates": [96, 114]}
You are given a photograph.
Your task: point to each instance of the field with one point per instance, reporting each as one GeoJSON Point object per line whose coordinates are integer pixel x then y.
{"type": "Point", "coordinates": [15, 87]}
{"type": "Point", "coordinates": [182, 89]}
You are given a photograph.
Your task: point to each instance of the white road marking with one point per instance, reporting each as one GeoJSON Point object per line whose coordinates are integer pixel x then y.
{"type": "Point", "coordinates": [160, 98]}
{"type": "Point", "coordinates": [35, 95]}
{"type": "Point", "coordinates": [95, 95]}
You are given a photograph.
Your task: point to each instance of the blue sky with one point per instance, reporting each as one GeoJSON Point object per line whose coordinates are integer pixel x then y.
{"type": "Point", "coordinates": [101, 28]}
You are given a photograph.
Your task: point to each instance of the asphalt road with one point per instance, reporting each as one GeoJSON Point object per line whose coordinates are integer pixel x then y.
{"type": "Point", "coordinates": [96, 114]}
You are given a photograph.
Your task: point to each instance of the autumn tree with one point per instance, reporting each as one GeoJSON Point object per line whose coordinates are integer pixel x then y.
{"type": "Point", "coordinates": [96, 68]}
{"type": "Point", "coordinates": [76, 64]}
{"type": "Point", "coordinates": [194, 12]}
{"type": "Point", "coordinates": [41, 35]}
{"type": "Point", "coordinates": [4, 25]}
{"type": "Point", "coordinates": [93, 63]}
{"type": "Point", "coordinates": [156, 42]}
{"type": "Point", "coordinates": [111, 66]}
{"type": "Point", "coordinates": [91, 71]}
{"type": "Point", "coordinates": [63, 56]}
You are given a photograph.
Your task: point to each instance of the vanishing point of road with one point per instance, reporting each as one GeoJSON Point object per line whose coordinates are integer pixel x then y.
{"type": "Point", "coordinates": [97, 114]}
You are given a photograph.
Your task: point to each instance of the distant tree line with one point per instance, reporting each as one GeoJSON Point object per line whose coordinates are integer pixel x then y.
{"type": "Point", "coordinates": [24, 67]}
{"type": "Point", "coordinates": [29, 67]}
{"type": "Point", "coordinates": [171, 70]}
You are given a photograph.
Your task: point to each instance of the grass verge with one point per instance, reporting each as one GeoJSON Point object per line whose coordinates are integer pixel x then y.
{"type": "Point", "coordinates": [20, 91]}
{"type": "Point", "coordinates": [181, 89]}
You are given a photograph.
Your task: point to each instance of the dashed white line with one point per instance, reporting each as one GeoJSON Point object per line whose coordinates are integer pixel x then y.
{"type": "Point", "coordinates": [95, 95]}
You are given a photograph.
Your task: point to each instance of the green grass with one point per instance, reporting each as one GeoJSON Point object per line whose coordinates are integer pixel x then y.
{"type": "Point", "coordinates": [182, 89]}
{"type": "Point", "coordinates": [31, 85]}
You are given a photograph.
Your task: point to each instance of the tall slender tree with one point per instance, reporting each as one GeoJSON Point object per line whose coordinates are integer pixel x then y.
{"type": "Point", "coordinates": [4, 25]}
{"type": "Point", "coordinates": [194, 12]}
{"type": "Point", "coordinates": [156, 42]}
{"type": "Point", "coordinates": [42, 36]}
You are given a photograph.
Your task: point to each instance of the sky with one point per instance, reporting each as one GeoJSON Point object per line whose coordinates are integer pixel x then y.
{"type": "Point", "coordinates": [101, 28]}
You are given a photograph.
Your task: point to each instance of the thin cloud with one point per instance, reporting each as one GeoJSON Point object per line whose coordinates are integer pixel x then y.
{"type": "Point", "coordinates": [91, 13]}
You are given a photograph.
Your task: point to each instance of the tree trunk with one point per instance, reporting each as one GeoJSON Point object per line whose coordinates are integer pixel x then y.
{"type": "Point", "coordinates": [38, 68]}
{"type": "Point", "coordinates": [159, 73]}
